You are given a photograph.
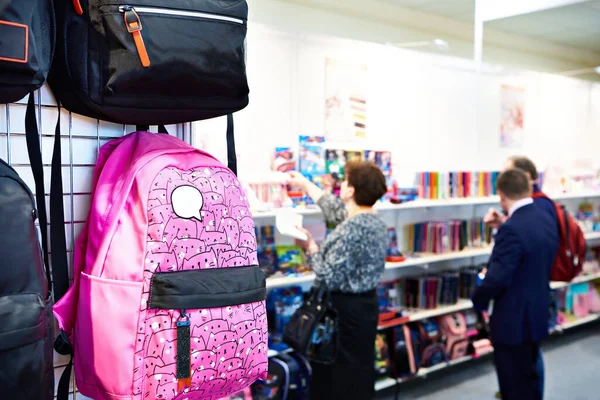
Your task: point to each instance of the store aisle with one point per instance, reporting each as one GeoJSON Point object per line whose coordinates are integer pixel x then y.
{"type": "Point", "coordinates": [572, 364]}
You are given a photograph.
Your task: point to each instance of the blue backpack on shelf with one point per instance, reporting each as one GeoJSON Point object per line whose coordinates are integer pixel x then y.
{"type": "Point", "coordinates": [288, 378]}
{"type": "Point", "coordinates": [281, 306]}
{"type": "Point", "coordinates": [430, 348]}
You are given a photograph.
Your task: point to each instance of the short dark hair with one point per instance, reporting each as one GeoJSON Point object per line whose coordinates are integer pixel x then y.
{"type": "Point", "coordinates": [525, 164]}
{"type": "Point", "coordinates": [513, 183]}
{"type": "Point", "coordinates": [367, 180]}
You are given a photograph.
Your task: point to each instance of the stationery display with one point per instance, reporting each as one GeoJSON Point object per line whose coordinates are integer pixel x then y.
{"type": "Point", "coordinates": [442, 237]}
{"type": "Point", "coordinates": [266, 252]}
{"type": "Point", "coordinates": [447, 185]}
{"type": "Point", "coordinates": [382, 355]}
{"type": "Point", "coordinates": [284, 159]}
{"type": "Point", "coordinates": [393, 254]}
{"type": "Point", "coordinates": [468, 281]}
{"type": "Point", "coordinates": [290, 260]}
{"type": "Point", "coordinates": [312, 156]}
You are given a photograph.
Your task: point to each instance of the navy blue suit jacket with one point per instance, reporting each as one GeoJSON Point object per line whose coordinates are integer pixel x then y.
{"type": "Point", "coordinates": [518, 277]}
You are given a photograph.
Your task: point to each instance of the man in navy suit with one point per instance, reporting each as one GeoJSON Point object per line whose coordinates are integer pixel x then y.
{"type": "Point", "coordinates": [494, 219]}
{"type": "Point", "coordinates": [517, 280]}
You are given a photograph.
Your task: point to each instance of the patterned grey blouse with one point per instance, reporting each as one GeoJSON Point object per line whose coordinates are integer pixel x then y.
{"type": "Point", "coordinates": [352, 257]}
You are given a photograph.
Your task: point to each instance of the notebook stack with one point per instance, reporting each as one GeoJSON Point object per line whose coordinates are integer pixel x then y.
{"type": "Point", "coordinates": [468, 281]}
{"type": "Point", "coordinates": [448, 236]}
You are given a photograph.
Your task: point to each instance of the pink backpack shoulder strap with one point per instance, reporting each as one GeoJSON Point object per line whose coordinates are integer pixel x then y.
{"type": "Point", "coordinates": [66, 308]}
{"type": "Point", "coordinates": [118, 161]}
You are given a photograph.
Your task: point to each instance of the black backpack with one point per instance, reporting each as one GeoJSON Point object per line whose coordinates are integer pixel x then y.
{"type": "Point", "coordinates": [27, 36]}
{"type": "Point", "coordinates": [151, 62]}
{"type": "Point", "coordinates": [26, 288]}
{"type": "Point", "coordinates": [26, 330]}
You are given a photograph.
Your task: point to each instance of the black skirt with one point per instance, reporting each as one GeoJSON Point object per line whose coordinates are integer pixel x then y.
{"type": "Point", "coordinates": [352, 375]}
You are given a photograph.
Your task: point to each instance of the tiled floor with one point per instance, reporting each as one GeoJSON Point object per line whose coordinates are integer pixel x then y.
{"type": "Point", "coordinates": [572, 373]}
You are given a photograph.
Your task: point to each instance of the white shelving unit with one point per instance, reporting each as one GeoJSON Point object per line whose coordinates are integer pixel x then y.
{"type": "Point", "coordinates": [411, 262]}
{"type": "Point", "coordinates": [386, 383]}
{"type": "Point", "coordinates": [577, 322]}
{"type": "Point", "coordinates": [426, 203]}
{"type": "Point", "coordinates": [462, 305]}
{"type": "Point", "coordinates": [579, 279]}
{"type": "Point", "coordinates": [426, 260]}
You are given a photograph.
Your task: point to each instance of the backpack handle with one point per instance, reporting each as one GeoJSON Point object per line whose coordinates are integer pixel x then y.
{"type": "Point", "coordinates": [231, 156]}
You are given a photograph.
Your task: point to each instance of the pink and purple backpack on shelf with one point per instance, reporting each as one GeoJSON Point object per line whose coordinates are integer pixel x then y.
{"type": "Point", "coordinates": [168, 299]}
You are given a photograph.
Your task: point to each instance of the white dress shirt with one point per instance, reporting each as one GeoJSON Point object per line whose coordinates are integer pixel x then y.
{"type": "Point", "coordinates": [520, 203]}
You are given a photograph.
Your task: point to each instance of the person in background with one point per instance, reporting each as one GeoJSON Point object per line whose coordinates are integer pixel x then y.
{"type": "Point", "coordinates": [517, 279]}
{"type": "Point", "coordinates": [495, 218]}
{"type": "Point", "coordinates": [350, 261]}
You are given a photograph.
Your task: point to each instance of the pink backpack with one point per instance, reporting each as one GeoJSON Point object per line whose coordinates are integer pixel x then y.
{"type": "Point", "coordinates": [454, 329]}
{"type": "Point", "coordinates": [168, 299]}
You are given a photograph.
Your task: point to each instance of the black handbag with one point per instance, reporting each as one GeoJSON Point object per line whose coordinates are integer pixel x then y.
{"type": "Point", "coordinates": [313, 329]}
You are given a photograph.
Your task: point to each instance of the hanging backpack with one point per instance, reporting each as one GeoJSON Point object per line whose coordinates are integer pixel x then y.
{"type": "Point", "coordinates": [572, 245]}
{"type": "Point", "coordinates": [26, 288]}
{"type": "Point", "coordinates": [168, 298]}
{"type": "Point", "coordinates": [26, 367]}
{"type": "Point", "coordinates": [150, 62]}
{"type": "Point", "coordinates": [27, 36]}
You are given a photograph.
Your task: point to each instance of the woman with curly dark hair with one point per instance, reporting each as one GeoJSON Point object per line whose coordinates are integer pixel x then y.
{"type": "Point", "coordinates": [350, 261]}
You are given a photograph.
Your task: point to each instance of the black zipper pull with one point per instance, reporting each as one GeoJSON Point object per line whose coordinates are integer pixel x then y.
{"type": "Point", "coordinates": [134, 26]}
{"type": "Point", "coordinates": [184, 373]}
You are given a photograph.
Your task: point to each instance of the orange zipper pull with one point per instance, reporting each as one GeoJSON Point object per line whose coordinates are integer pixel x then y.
{"type": "Point", "coordinates": [77, 5]}
{"type": "Point", "coordinates": [134, 26]}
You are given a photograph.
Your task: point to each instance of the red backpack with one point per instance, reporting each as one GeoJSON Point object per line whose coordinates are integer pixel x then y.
{"type": "Point", "coordinates": [572, 245]}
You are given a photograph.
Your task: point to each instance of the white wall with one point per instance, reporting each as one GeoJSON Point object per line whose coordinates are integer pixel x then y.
{"type": "Point", "coordinates": [429, 110]}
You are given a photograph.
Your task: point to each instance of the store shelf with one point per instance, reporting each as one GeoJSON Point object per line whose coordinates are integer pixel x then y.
{"type": "Point", "coordinates": [289, 280]}
{"type": "Point", "coordinates": [274, 353]}
{"type": "Point", "coordinates": [418, 315]}
{"type": "Point", "coordinates": [426, 371]}
{"type": "Point", "coordinates": [283, 281]}
{"type": "Point", "coordinates": [575, 196]}
{"type": "Point", "coordinates": [592, 236]}
{"type": "Point", "coordinates": [428, 203]}
{"type": "Point", "coordinates": [578, 322]}
{"type": "Point", "coordinates": [385, 383]}
{"type": "Point", "coordinates": [463, 304]}
{"type": "Point", "coordinates": [423, 260]}
{"type": "Point", "coordinates": [436, 258]}
{"type": "Point", "coordinates": [579, 279]}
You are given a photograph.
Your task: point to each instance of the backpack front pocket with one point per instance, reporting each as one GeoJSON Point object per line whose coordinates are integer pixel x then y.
{"type": "Point", "coordinates": [172, 55]}
{"type": "Point", "coordinates": [23, 351]}
{"type": "Point", "coordinates": [204, 332]}
{"type": "Point", "coordinates": [107, 310]}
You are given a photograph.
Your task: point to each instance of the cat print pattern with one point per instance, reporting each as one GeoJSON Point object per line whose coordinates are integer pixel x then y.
{"type": "Point", "coordinates": [199, 219]}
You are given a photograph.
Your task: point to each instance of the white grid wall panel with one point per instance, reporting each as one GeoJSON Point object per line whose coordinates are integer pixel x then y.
{"type": "Point", "coordinates": [81, 139]}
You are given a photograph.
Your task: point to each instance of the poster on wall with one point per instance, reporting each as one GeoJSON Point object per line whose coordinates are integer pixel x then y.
{"type": "Point", "coordinates": [512, 101]}
{"type": "Point", "coordinates": [345, 100]}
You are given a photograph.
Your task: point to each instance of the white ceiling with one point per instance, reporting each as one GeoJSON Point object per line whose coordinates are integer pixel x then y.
{"type": "Point", "coordinates": [573, 26]}
{"type": "Point", "coordinates": [576, 25]}
{"type": "Point", "coordinates": [461, 10]}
